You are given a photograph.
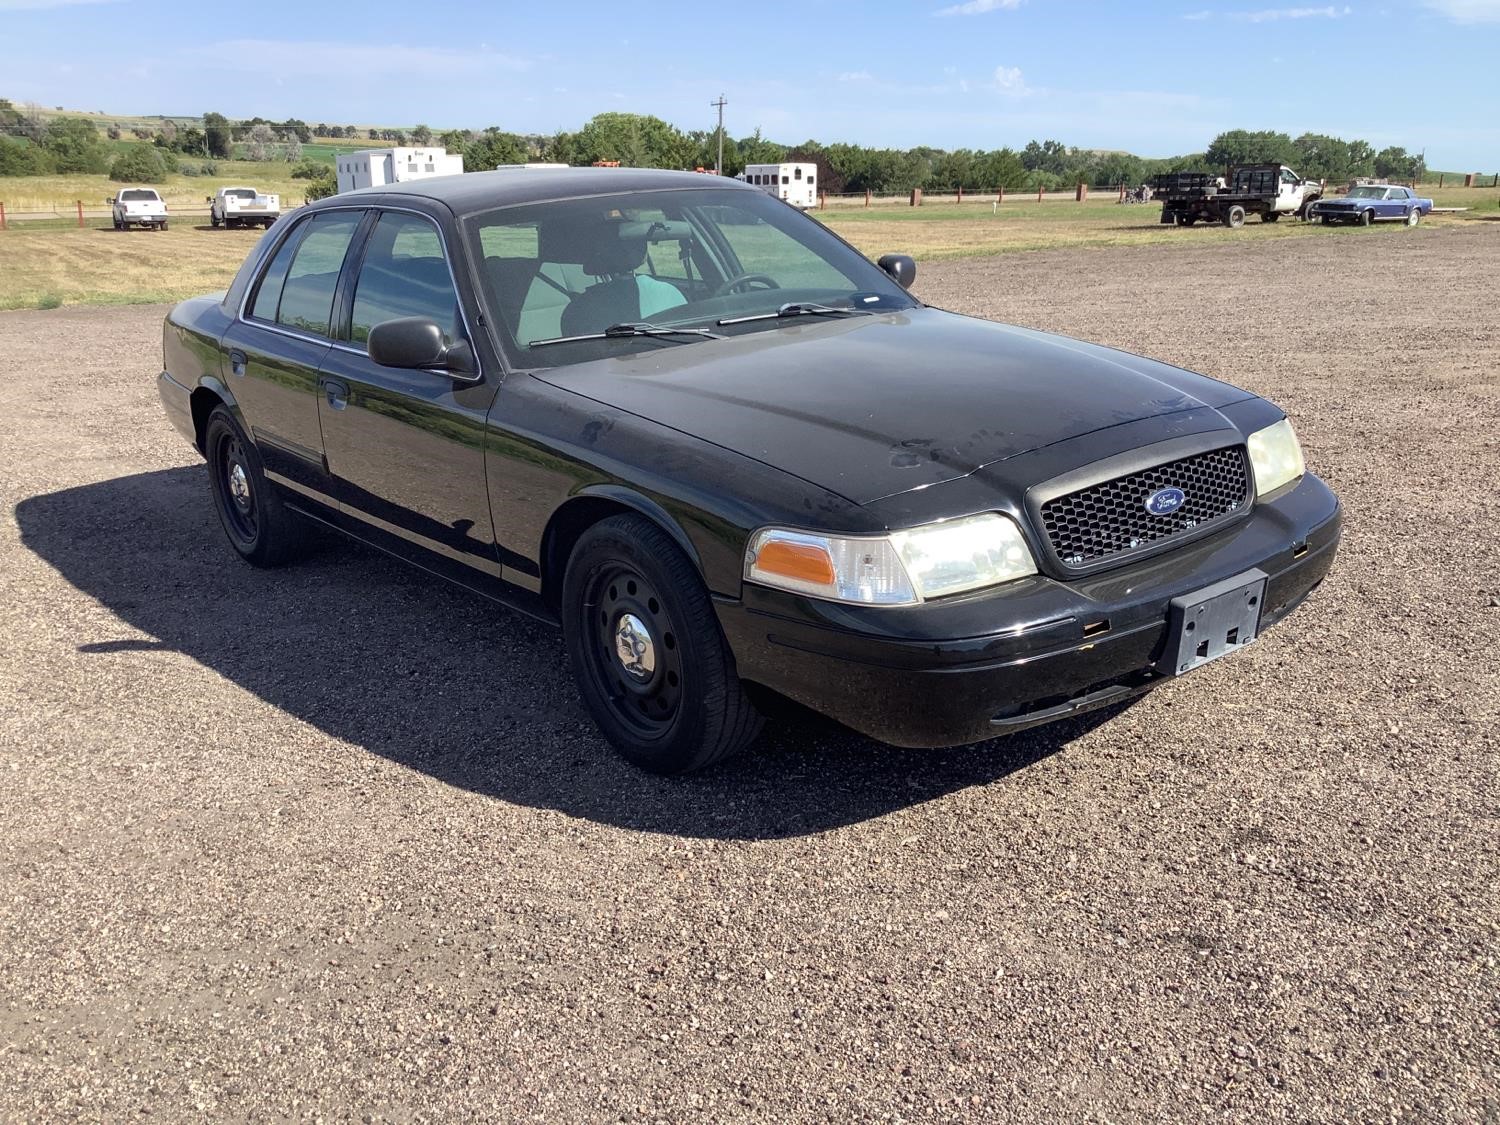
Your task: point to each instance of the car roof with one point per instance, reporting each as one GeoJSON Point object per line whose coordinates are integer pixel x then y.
{"type": "Point", "coordinates": [480, 191]}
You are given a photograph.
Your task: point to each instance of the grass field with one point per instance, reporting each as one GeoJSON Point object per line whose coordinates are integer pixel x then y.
{"type": "Point", "coordinates": [60, 192]}
{"type": "Point", "coordinates": [56, 263]}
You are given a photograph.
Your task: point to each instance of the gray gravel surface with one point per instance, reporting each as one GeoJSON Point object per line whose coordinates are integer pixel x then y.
{"type": "Point", "coordinates": [340, 840]}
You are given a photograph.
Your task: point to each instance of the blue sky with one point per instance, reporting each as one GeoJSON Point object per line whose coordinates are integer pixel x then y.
{"type": "Point", "coordinates": [1155, 78]}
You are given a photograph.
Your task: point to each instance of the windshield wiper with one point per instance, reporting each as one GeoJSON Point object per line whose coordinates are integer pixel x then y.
{"type": "Point", "coordinates": [792, 308]}
{"type": "Point", "coordinates": [625, 331]}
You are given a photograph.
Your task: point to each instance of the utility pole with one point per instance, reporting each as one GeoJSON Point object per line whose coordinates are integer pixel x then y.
{"type": "Point", "coordinates": [719, 105]}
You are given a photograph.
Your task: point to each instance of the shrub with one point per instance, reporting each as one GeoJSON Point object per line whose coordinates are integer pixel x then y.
{"type": "Point", "coordinates": [140, 163]}
{"type": "Point", "coordinates": [188, 168]}
{"type": "Point", "coordinates": [49, 301]}
{"type": "Point", "coordinates": [22, 158]}
{"type": "Point", "coordinates": [310, 170]}
{"type": "Point", "coordinates": [322, 187]}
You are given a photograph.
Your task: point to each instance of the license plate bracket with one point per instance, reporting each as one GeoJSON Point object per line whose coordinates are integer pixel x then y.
{"type": "Point", "coordinates": [1212, 622]}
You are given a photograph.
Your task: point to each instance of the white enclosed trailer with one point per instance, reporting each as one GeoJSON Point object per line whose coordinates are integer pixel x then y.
{"type": "Point", "coordinates": [795, 183]}
{"type": "Point", "coordinates": [374, 167]}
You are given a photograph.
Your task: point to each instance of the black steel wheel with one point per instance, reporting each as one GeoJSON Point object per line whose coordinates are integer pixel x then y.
{"type": "Point", "coordinates": [256, 523]}
{"type": "Point", "coordinates": [651, 662]}
{"type": "Point", "coordinates": [1269, 216]}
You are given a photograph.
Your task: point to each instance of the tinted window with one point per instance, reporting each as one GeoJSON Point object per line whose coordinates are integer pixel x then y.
{"type": "Point", "coordinates": [307, 296]}
{"type": "Point", "coordinates": [268, 295]}
{"type": "Point", "coordinates": [138, 195]}
{"type": "Point", "coordinates": [404, 274]}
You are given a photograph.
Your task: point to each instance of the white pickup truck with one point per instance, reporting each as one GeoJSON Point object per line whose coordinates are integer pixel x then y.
{"type": "Point", "coordinates": [242, 207]}
{"type": "Point", "coordinates": [138, 207]}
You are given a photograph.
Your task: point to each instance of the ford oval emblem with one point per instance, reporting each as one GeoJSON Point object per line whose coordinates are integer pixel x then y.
{"type": "Point", "coordinates": [1165, 501]}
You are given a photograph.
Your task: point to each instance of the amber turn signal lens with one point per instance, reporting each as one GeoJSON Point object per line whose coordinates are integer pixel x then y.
{"type": "Point", "coordinates": [801, 561]}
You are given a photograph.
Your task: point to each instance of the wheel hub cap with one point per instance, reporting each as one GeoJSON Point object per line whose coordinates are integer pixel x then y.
{"type": "Point", "coordinates": [634, 648]}
{"type": "Point", "coordinates": [239, 485]}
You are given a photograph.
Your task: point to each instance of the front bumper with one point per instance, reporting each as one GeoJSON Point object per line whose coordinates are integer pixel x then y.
{"type": "Point", "coordinates": [969, 668]}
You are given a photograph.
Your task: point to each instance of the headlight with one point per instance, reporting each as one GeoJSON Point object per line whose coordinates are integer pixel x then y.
{"type": "Point", "coordinates": [897, 569]}
{"type": "Point", "coordinates": [1276, 456]}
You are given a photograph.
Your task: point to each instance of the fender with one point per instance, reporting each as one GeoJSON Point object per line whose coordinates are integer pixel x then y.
{"type": "Point", "coordinates": [623, 494]}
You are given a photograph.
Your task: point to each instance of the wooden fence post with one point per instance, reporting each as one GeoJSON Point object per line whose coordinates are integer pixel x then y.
{"type": "Point", "coordinates": [916, 197]}
{"type": "Point", "coordinates": [2, 216]}
{"type": "Point", "coordinates": [1122, 191]}
{"type": "Point", "coordinates": [1082, 193]}
{"type": "Point", "coordinates": [823, 201]}
{"type": "Point", "coordinates": [80, 212]}
{"type": "Point", "coordinates": [1039, 195]}
{"type": "Point", "coordinates": [867, 197]}
{"type": "Point", "coordinates": [1000, 195]}
{"type": "Point", "coordinates": [1440, 179]}
{"type": "Point", "coordinates": [1469, 180]}
{"type": "Point", "coordinates": [960, 193]}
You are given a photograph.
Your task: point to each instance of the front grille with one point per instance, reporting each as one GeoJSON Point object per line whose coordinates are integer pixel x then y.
{"type": "Point", "coordinates": [1107, 519]}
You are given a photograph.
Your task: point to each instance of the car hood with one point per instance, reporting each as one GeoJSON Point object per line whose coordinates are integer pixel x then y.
{"type": "Point", "coordinates": [1347, 201]}
{"type": "Point", "coordinates": [875, 405]}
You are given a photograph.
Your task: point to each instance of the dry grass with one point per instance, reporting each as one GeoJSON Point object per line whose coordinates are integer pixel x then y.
{"type": "Point", "coordinates": [45, 268]}
{"type": "Point", "coordinates": [61, 192]}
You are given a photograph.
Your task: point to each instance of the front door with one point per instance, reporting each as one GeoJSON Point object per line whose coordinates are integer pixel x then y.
{"type": "Point", "coordinates": [406, 448]}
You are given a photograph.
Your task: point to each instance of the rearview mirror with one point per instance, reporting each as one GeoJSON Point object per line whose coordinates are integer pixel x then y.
{"type": "Point", "coordinates": [901, 267]}
{"type": "Point", "coordinates": [417, 343]}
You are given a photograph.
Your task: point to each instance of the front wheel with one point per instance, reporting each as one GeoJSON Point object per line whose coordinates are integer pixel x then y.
{"type": "Point", "coordinates": [1366, 218]}
{"type": "Point", "coordinates": [650, 659]}
{"type": "Point", "coordinates": [258, 526]}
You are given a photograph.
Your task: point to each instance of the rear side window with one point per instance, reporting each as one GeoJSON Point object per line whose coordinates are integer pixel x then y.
{"type": "Point", "coordinates": [404, 274]}
{"type": "Point", "coordinates": [306, 301]}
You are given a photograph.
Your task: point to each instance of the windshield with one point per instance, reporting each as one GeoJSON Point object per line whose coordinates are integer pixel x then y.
{"type": "Point", "coordinates": [1367, 193]}
{"type": "Point", "coordinates": [240, 193]}
{"type": "Point", "coordinates": [686, 258]}
{"type": "Point", "coordinates": [138, 195]}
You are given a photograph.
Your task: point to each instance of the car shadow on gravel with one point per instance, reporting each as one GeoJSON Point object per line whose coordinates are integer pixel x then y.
{"type": "Point", "coordinates": [440, 680]}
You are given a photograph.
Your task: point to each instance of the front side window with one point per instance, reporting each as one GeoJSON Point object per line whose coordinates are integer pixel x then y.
{"type": "Point", "coordinates": [297, 288]}
{"type": "Point", "coordinates": [404, 273]}
{"type": "Point", "coordinates": [692, 257]}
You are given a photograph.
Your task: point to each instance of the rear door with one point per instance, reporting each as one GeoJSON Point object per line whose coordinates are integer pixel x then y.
{"type": "Point", "coordinates": [275, 348]}
{"type": "Point", "coordinates": [406, 448]}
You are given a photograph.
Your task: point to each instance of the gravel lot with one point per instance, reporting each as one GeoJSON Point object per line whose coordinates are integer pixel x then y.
{"type": "Point", "coordinates": [296, 844]}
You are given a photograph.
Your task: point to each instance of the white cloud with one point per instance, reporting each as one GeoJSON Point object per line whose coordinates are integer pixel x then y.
{"type": "Point", "coordinates": [1010, 80]}
{"type": "Point", "coordinates": [1272, 15]}
{"type": "Point", "coordinates": [44, 5]}
{"type": "Point", "coordinates": [856, 76]}
{"type": "Point", "coordinates": [979, 7]}
{"type": "Point", "coordinates": [1468, 11]}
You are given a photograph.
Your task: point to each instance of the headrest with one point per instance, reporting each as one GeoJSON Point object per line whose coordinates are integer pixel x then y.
{"type": "Point", "coordinates": [600, 247]}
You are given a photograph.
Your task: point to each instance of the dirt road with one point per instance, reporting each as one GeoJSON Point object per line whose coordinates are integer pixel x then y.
{"type": "Point", "coordinates": [296, 844]}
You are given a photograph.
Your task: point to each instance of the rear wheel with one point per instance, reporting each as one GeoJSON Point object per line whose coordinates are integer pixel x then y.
{"type": "Point", "coordinates": [1366, 218]}
{"type": "Point", "coordinates": [1189, 220]}
{"type": "Point", "coordinates": [258, 526]}
{"type": "Point", "coordinates": [1269, 216]}
{"type": "Point", "coordinates": [651, 663]}
{"type": "Point", "coordinates": [1235, 216]}
{"type": "Point", "coordinates": [1414, 216]}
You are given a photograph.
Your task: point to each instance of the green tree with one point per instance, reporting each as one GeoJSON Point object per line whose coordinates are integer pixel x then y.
{"type": "Point", "coordinates": [490, 149]}
{"type": "Point", "coordinates": [421, 135]}
{"type": "Point", "coordinates": [1239, 146]}
{"type": "Point", "coordinates": [19, 157]}
{"type": "Point", "coordinates": [216, 135]}
{"type": "Point", "coordinates": [1396, 163]}
{"type": "Point", "coordinates": [139, 163]}
{"type": "Point", "coordinates": [635, 140]}
{"type": "Point", "coordinates": [75, 146]}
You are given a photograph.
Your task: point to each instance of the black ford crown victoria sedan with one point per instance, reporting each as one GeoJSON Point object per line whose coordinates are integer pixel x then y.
{"type": "Point", "coordinates": [730, 456]}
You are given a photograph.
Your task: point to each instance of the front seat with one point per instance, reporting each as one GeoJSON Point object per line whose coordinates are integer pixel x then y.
{"type": "Point", "coordinates": [622, 297]}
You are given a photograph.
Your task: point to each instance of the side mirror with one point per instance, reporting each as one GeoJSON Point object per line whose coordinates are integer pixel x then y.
{"type": "Point", "coordinates": [208, 199]}
{"type": "Point", "coordinates": [417, 343]}
{"type": "Point", "coordinates": [110, 201]}
{"type": "Point", "coordinates": [901, 267]}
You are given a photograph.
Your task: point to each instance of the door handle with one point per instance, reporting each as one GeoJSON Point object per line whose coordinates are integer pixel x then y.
{"type": "Point", "coordinates": [337, 392]}
{"type": "Point", "coordinates": [237, 362]}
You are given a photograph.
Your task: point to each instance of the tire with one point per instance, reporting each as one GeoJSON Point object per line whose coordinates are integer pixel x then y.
{"type": "Point", "coordinates": [161, 226]}
{"type": "Point", "coordinates": [214, 220]}
{"type": "Point", "coordinates": [1269, 216]}
{"type": "Point", "coordinates": [1235, 217]}
{"type": "Point", "coordinates": [1366, 218]}
{"type": "Point", "coordinates": [1189, 220]}
{"type": "Point", "coordinates": [650, 660]}
{"type": "Point", "coordinates": [255, 521]}
{"type": "Point", "coordinates": [1414, 216]}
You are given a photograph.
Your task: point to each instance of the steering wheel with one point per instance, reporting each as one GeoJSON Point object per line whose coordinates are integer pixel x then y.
{"type": "Point", "coordinates": [767, 282]}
